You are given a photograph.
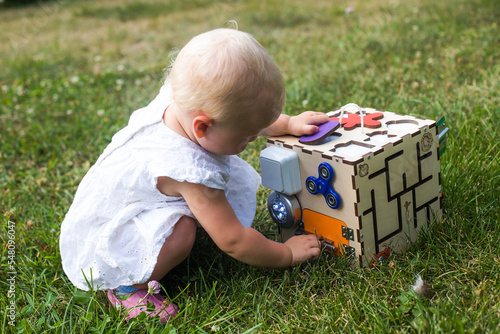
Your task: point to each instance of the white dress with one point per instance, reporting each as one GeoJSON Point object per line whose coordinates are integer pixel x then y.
{"type": "Point", "coordinates": [118, 222]}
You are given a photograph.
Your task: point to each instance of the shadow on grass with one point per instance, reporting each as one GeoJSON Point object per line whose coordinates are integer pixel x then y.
{"type": "Point", "coordinates": [21, 3]}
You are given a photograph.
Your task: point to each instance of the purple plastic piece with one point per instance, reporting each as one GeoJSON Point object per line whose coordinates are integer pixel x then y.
{"type": "Point", "coordinates": [325, 130]}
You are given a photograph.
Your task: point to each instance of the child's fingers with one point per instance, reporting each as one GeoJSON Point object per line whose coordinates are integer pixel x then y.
{"type": "Point", "coordinates": [309, 129]}
{"type": "Point", "coordinates": [306, 123]}
{"type": "Point", "coordinates": [304, 247]}
{"type": "Point", "coordinates": [313, 117]}
{"type": "Point", "coordinates": [320, 118]}
{"type": "Point", "coordinates": [316, 117]}
{"type": "Point", "coordinates": [314, 246]}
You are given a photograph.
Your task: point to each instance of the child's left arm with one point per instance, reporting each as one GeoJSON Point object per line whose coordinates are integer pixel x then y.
{"type": "Point", "coordinates": [300, 125]}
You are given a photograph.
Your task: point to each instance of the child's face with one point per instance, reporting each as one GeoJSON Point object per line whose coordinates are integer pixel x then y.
{"type": "Point", "coordinates": [228, 138]}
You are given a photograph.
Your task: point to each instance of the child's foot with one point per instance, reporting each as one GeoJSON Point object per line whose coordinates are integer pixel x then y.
{"type": "Point", "coordinates": [137, 302]}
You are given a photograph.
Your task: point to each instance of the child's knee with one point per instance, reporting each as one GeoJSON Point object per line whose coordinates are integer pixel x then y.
{"type": "Point", "coordinates": [186, 226]}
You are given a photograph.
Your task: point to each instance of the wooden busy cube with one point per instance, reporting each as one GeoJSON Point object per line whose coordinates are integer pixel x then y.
{"type": "Point", "coordinates": [367, 190]}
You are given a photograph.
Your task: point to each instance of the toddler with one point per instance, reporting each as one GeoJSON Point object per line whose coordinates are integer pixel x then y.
{"type": "Point", "coordinates": [134, 214]}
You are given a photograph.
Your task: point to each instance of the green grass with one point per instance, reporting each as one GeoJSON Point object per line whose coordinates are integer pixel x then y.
{"type": "Point", "coordinates": [72, 73]}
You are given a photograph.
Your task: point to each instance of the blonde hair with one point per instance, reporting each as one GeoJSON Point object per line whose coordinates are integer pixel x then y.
{"type": "Point", "coordinates": [227, 74]}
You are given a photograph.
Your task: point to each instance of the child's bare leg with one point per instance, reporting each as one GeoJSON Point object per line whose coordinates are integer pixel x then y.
{"type": "Point", "coordinates": [175, 249]}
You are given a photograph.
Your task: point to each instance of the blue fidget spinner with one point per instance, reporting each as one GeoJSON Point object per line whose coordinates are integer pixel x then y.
{"type": "Point", "coordinates": [323, 185]}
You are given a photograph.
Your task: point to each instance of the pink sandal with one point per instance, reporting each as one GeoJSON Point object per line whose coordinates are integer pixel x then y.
{"type": "Point", "coordinates": [137, 302]}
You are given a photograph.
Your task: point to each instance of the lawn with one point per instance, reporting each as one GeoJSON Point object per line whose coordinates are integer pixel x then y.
{"type": "Point", "coordinates": [72, 72]}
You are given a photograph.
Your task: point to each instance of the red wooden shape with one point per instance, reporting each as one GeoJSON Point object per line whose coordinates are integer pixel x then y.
{"type": "Point", "coordinates": [354, 120]}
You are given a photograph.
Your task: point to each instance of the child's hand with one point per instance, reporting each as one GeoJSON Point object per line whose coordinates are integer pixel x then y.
{"type": "Point", "coordinates": [300, 125]}
{"type": "Point", "coordinates": [304, 247]}
{"type": "Point", "coordinates": [306, 123]}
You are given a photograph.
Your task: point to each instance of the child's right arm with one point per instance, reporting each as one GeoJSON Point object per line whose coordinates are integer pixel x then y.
{"type": "Point", "coordinates": [216, 216]}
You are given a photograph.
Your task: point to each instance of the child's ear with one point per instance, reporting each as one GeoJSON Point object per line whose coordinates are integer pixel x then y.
{"type": "Point", "coordinates": [201, 124]}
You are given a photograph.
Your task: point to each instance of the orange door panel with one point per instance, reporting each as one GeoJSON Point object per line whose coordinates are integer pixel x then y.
{"type": "Point", "coordinates": [325, 226]}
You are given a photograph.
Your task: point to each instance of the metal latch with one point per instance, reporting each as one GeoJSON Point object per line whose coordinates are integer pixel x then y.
{"type": "Point", "coordinates": [348, 233]}
{"type": "Point", "coordinates": [349, 251]}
